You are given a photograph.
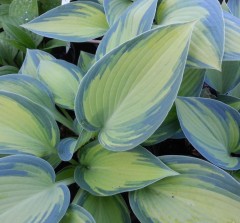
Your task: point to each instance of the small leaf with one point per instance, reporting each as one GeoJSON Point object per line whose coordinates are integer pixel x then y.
{"type": "Point", "coordinates": [138, 18]}
{"type": "Point", "coordinates": [62, 78]}
{"type": "Point", "coordinates": [207, 43]}
{"type": "Point", "coordinates": [28, 191]}
{"type": "Point", "coordinates": [132, 112]}
{"type": "Point", "coordinates": [26, 127]}
{"type": "Point", "coordinates": [74, 22]}
{"type": "Point", "coordinates": [85, 61]}
{"type": "Point", "coordinates": [212, 128]}
{"type": "Point", "coordinates": [77, 214]}
{"type": "Point", "coordinates": [225, 80]}
{"type": "Point", "coordinates": [235, 92]}
{"type": "Point", "coordinates": [185, 198]}
{"type": "Point", "coordinates": [230, 100]}
{"type": "Point", "coordinates": [32, 60]}
{"type": "Point", "coordinates": [104, 209]}
{"type": "Point", "coordinates": [101, 171]}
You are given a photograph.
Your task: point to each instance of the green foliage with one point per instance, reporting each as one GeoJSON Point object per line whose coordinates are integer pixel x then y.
{"type": "Point", "coordinates": [162, 69]}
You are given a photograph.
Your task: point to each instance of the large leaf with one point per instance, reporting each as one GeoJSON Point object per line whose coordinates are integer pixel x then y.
{"type": "Point", "coordinates": [212, 128]}
{"type": "Point", "coordinates": [104, 209]}
{"type": "Point", "coordinates": [225, 80]}
{"type": "Point", "coordinates": [28, 191]}
{"type": "Point", "coordinates": [26, 127]}
{"type": "Point", "coordinates": [62, 78]}
{"type": "Point", "coordinates": [191, 86]}
{"type": "Point", "coordinates": [207, 43]}
{"type": "Point", "coordinates": [185, 198]}
{"type": "Point", "coordinates": [32, 60]}
{"type": "Point", "coordinates": [235, 92]}
{"type": "Point", "coordinates": [234, 6]}
{"type": "Point", "coordinates": [75, 22]}
{"type": "Point", "coordinates": [77, 214]}
{"type": "Point", "coordinates": [138, 18]}
{"type": "Point", "coordinates": [114, 9]}
{"type": "Point", "coordinates": [101, 172]}
{"type": "Point", "coordinates": [232, 36]}
{"type": "Point", "coordinates": [128, 93]}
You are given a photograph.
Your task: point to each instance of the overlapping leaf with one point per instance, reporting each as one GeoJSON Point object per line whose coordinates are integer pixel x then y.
{"type": "Point", "coordinates": [128, 93]}
{"type": "Point", "coordinates": [32, 60]}
{"type": "Point", "coordinates": [85, 61]}
{"type": "Point", "coordinates": [75, 22]}
{"type": "Point", "coordinates": [230, 100]}
{"type": "Point", "coordinates": [184, 198]}
{"type": "Point", "coordinates": [225, 80]}
{"type": "Point", "coordinates": [77, 214]}
{"type": "Point", "coordinates": [138, 18]}
{"type": "Point", "coordinates": [101, 171]}
{"type": "Point", "coordinates": [191, 86]}
{"type": "Point", "coordinates": [234, 6]}
{"type": "Point", "coordinates": [114, 9]}
{"type": "Point", "coordinates": [26, 127]}
{"type": "Point", "coordinates": [212, 128]}
{"type": "Point", "coordinates": [28, 191]}
{"type": "Point", "coordinates": [62, 78]}
{"type": "Point", "coordinates": [104, 209]}
{"type": "Point", "coordinates": [235, 92]}
{"type": "Point", "coordinates": [207, 43]}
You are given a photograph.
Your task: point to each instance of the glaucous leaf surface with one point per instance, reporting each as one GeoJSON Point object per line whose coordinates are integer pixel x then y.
{"type": "Point", "coordinates": [101, 172]}
{"type": "Point", "coordinates": [225, 80]}
{"type": "Point", "coordinates": [235, 92]}
{"type": "Point", "coordinates": [191, 86]}
{"type": "Point", "coordinates": [26, 127]}
{"type": "Point", "coordinates": [62, 78]}
{"type": "Point", "coordinates": [114, 9]}
{"type": "Point", "coordinates": [230, 100]}
{"type": "Point", "coordinates": [32, 60]}
{"type": "Point", "coordinates": [29, 192]}
{"type": "Point", "coordinates": [127, 94]}
{"type": "Point", "coordinates": [138, 18]}
{"type": "Point", "coordinates": [234, 6]}
{"type": "Point", "coordinates": [104, 209]}
{"type": "Point", "coordinates": [207, 43]}
{"type": "Point", "coordinates": [212, 127]}
{"type": "Point", "coordinates": [77, 214]}
{"type": "Point", "coordinates": [185, 198]}
{"type": "Point", "coordinates": [75, 22]}
{"type": "Point", "coordinates": [232, 36]}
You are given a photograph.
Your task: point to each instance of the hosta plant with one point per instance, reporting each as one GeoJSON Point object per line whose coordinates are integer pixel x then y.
{"type": "Point", "coordinates": [75, 139]}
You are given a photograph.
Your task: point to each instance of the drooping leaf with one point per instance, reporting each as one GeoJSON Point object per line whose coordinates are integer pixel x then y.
{"type": "Point", "coordinates": [77, 214]}
{"type": "Point", "coordinates": [225, 80]}
{"type": "Point", "coordinates": [74, 22]}
{"type": "Point", "coordinates": [32, 60]}
{"type": "Point", "coordinates": [127, 114]}
{"type": "Point", "coordinates": [29, 192]}
{"type": "Point", "coordinates": [85, 61]}
{"type": "Point", "coordinates": [185, 198]}
{"type": "Point", "coordinates": [114, 9]}
{"type": "Point", "coordinates": [101, 171]}
{"type": "Point", "coordinates": [212, 128]}
{"type": "Point", "coordinates": [234, 6]}
{"type": "Point", "coordinates": [138, 18]}
{"type": "Point", "coordinates": [104, 209]}
{"type": "Point", "coordinates": [207, 43]}
{"type": "Point", "coordinates": [26, 127]}
{"type": "Point", "coordinates": [62, 78]}
{"type": "Point", "coordinates": [232, 36]}
{"type": "Point", "coordinates": [191, 86]}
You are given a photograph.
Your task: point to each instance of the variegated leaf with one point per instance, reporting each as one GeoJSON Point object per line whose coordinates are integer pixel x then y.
{"type": "Point", "coordinates": [104, 209]}
{"type": "Point", "coordinates": [185, 198]}
{"type": "Point", "coordinates": [101, 171]}
{"type": "Point", "coordinates": [235, 92]}
{"type": "Point", "coordinates": [75, 22]}
{"type": "Point", "coordinates": [127, 114]}
{"type": "Point", "coordinates": [212, 128]}
{"type": "Point", "coordinates": [138, 18]}
{"type": "Point", "coordinates": [62, 78]}
{"type": "Point", "coordinates": [29, 192]}
{"type": "Point", "coordinates": [230, 100]}
{"type": "Point", "coordinates": [85, 61]}
{"type": "Point", "coordinates": [207, 43]}
{"type": "Point", "coordinates": [234, 6]}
